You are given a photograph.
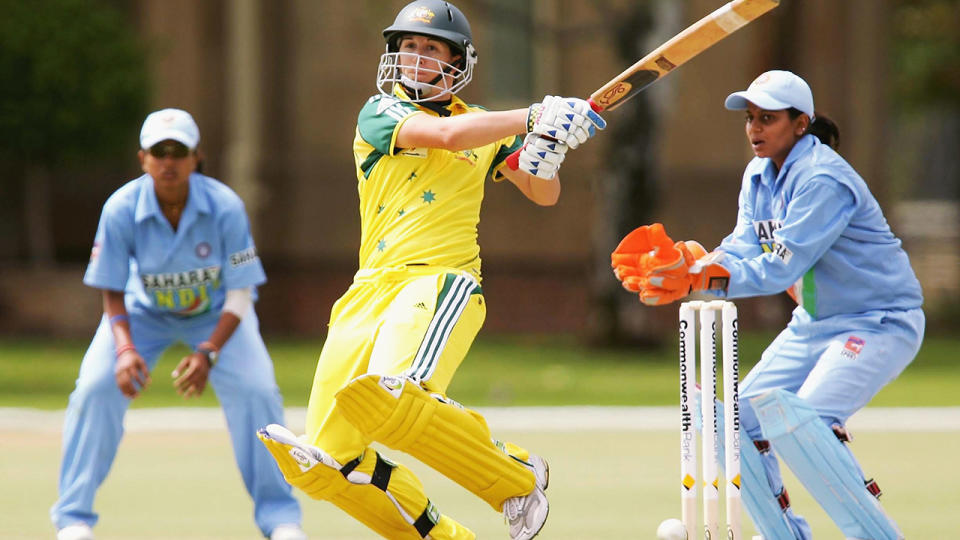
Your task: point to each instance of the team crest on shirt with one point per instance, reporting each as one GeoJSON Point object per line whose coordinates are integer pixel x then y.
{"type": "Point", "coordinates": [764, 229]}
{"type": "Point", "coordinates": [468, 156]}
{"type": "Point", "coordinates": [203, 250]}
{"type": "Point", "coordinates": [852, 348]}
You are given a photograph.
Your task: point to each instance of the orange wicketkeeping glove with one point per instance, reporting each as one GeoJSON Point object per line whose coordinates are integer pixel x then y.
{"type": "Point", "coordinates": [646, 249]}
{"type": "Point", "coordinates": [699, 271]}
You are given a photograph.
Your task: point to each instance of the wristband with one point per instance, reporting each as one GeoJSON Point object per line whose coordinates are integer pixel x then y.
{"type": "Point", "coordinates": [209, 352]}
{"type": "Point", "coordinates": [118, 318]}
{"type": "Point", "coordinates": [124, 348]}
{"type": "Point", "coordinates": [533, 115]}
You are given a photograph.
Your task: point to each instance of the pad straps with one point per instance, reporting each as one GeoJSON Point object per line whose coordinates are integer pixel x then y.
{"type": "Point", "coordinates": [380, 478]}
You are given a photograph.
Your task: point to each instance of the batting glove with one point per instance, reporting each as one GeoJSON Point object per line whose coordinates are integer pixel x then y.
{"type": "Point", "coordinates": [569, 120]}
{"type": "Point", "coordinates": [541, 157]}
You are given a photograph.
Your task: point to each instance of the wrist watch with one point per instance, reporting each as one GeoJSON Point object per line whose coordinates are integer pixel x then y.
{"type": "Point", "coordinates": [211, 354]}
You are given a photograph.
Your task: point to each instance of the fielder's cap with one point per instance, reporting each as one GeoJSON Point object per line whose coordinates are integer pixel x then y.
{"type": "Point", "coordinates": [774, 90]}
{"type": "Point", "coordinates": [166, 124]}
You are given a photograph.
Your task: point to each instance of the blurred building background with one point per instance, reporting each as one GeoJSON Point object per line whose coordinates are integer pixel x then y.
{"type": "Point", "coordinates": [276, 86]}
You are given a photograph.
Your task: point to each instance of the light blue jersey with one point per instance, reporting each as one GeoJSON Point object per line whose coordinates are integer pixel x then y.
{"type": "Point", "coordinates": [175, 284]}
{"type": "Point", "coordinates": [185, 272]}
{"type": "Point", "coordinates": [815, 230]}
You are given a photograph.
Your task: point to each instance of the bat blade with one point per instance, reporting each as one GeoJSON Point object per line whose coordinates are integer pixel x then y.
{"type": "Point", "coordinates": [692, 41]}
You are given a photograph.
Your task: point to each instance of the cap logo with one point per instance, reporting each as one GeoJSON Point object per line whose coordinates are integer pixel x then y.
{"type": "Point", "coordinates": [169, 119]}
{"type": "Point", "coordinates": [422, 14]}
{"type": "Point", "coordinates": [762, 79]}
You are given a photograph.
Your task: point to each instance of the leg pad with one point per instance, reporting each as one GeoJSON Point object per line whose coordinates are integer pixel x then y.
{"type": "Point", "coordinates": [770, 513]}
{"type": "Point", "coordinates": [384, 496]}
{"type": "Point", "coordinates": [453, 440]}
{"type": "Point", "coordinates": [826, 468]}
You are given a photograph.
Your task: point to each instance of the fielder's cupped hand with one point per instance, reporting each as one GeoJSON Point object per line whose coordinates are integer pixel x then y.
{"type": "Point", "coordinates": [569, 120]}
{"type": "Point", "coordinates": [131, 373]}
{"type": "Point", "coordinates": [541, 157]}
{"type": "Point", "coordinates": [190, 375]}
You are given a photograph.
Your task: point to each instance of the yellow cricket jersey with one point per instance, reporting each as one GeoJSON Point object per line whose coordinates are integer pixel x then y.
{"type": "Point", "coordinates": [419, 205]}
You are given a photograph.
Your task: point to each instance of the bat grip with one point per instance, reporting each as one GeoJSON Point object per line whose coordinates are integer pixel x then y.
{"type": "Point", "coordinates": [513, 160]}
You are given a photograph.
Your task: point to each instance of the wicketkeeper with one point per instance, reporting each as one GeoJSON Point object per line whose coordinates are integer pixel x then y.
{"type": "Point", "coordinates": [808, 225]}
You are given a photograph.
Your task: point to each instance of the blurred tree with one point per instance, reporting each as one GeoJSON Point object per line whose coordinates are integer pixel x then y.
{"type": "Point", "coordinates": [926, 79]}
{"type": "Point", "coordinates": [927, 48]}
{"type": "Point", "coordinates": [626, 196]}
{"type": "Point", "coordinates": [73, 85]}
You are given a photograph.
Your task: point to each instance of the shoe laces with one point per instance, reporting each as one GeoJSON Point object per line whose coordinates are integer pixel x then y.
{"type": "Point", "coordinates": [513, 508]}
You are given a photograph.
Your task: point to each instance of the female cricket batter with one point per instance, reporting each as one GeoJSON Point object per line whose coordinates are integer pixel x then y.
{"type": "Point", "coordinates": [399, 333]}
{"type": "Point", "coordinates": [809, 225]}
{"type": "Point", "coordinates": [175, 261]}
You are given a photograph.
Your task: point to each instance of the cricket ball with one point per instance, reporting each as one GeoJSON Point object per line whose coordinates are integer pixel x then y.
{"type": "Point", "coordinates": [671, 529]}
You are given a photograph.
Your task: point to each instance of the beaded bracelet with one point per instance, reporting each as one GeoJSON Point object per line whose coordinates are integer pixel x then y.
{"type": "Point", "coordinates": [124, 348]}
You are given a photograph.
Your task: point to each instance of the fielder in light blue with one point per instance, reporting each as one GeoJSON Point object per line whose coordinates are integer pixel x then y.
{"type": "Point", "coordinates": [176, 262]}
{"type": "Point", "coordinates": [808, 225]}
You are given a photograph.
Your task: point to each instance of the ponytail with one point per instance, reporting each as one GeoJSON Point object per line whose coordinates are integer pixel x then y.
{"type": "Point", "coordinates": [822, 127]}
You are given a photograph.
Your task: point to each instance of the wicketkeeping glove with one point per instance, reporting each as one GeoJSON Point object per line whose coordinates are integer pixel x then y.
{"type": "Point", "coordinates": [644, 250]}
{"type": "Point", "coordinates": [648, 262]}
{"type": "Point", "coordinates": [569, 120]}
{"type": "Point", "coordinates": [541, 157]}
{"type": "Point", "coordinates": [696, 271]}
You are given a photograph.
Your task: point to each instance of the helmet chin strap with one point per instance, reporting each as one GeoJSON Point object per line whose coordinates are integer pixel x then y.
{"type": "Point", "coordinates": [418, 88]}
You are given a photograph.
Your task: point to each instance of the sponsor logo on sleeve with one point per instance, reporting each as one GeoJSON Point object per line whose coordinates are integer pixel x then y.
{"type": "Point", "coordinates": [765, 230]}
{"type": "Point", "coordinates": [244, 257]}
{"type": "Point", "coordinates": [782, 252]}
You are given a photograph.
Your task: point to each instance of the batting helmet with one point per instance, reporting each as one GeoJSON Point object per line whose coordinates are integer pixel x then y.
{"type": "Point", "coordinates": [434, 18]}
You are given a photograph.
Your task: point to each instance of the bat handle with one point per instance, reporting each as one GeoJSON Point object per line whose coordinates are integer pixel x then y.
{"type": "Point", "coordinates": [513, 160]}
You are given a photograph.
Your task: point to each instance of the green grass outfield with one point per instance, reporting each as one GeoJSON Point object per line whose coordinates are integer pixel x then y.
{"type": "Point", "coordinates": [607, 482]}
{"type": "Point", "coordinates": [499, 371]}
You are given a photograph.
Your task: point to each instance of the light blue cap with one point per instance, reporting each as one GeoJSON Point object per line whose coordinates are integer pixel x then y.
{"type": "Point", "coordinates": [774, 90]}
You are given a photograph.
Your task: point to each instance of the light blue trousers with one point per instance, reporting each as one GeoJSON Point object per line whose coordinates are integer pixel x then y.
{"type": "Point", "coordinates": [836, 364]}
{"type": "Point", "coordinates": [244, 383]}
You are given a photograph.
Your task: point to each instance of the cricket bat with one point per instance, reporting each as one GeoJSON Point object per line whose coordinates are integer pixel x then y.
{"type": "Point", "coordinates": [690, 42]}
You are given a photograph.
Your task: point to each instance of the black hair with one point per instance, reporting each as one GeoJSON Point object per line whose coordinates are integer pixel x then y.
{"type": "Point", "coordinates": [822, 127]}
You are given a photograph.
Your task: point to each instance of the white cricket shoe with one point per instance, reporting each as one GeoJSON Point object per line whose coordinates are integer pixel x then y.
{"type": "Point", "coordinates": [77, 531]}
{"type": "Point", "coordinates": [527, 514]}
{"type": "Point", "coordinates": [288, 532]}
